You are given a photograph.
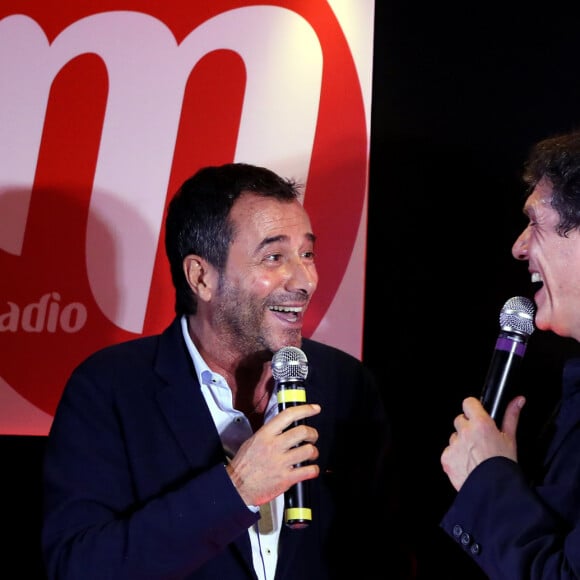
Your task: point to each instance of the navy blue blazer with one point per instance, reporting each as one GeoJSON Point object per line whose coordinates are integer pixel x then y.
{"type": "Point", "coordinates": [514, 530]}
{"type": "Point", "coordinates": [135, 485]}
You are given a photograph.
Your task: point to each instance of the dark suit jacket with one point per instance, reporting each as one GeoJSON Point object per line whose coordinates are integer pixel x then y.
{"type": "Point", "coordinates": [135, 485]}
{"type": "Point", "coordinates": [515, 530]}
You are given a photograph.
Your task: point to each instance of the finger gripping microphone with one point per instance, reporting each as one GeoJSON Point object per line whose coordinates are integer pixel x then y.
{"type": "Point", "coordinates": [289, 369]}
{"type": "Point", "coordinates": [516, 321]}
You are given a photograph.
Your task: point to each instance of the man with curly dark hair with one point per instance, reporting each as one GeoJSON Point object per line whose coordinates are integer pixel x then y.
{"type": "Point", "coordinates": [516, 527]}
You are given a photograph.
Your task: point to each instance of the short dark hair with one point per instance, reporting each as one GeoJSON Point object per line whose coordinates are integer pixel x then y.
{"type": "Point", "coordinates": [197, 220]}
{"type": "Point", "coordinates": [558, 160]}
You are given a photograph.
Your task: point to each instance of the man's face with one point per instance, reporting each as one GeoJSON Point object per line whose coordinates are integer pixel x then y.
{"type": "Point", "coordinates": [269, 277]}
{"type": "Point", "coordinates": [553, 261]}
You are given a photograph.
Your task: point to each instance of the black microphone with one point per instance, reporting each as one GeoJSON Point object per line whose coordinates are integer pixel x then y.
{"type": "Point", "coordinates": [516, 321]}
{"type": "Point", "coordinates": [289, 369]}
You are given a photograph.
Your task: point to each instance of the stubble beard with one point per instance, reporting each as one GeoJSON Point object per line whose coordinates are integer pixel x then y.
{"type": "Point", "coordinates": [241, 318]}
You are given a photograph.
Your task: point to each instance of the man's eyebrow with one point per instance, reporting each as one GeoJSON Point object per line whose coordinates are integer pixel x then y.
{"type": "Point", "coordinates": [272, 240]}
{"type": "Point", "coordinates": [283, 238]}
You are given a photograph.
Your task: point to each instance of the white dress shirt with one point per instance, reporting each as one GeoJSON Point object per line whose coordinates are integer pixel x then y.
{"type": "Point", "coordinates": [234, 428]}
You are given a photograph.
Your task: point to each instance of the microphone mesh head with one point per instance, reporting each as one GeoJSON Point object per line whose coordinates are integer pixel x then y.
{"type": "Point", "coordinates": [289, 364]}
{"type": "Point", "coordinates": [517, 315]}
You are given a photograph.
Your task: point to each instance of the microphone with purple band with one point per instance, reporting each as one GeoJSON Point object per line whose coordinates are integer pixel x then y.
{"type": "Point", "coordinates": [516, 322]}
{"type": "Point", "coordinates": [289, 369]}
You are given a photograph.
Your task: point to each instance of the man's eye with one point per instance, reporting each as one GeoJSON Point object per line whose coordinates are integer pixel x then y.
{"type": "Point", "coordinates": [273, 257]}
{"type": "Point", "coordinates": [309, 255]}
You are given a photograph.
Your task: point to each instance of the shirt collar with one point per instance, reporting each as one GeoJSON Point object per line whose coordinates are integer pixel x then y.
{"type": "Point", "coordinates": [205, 375]}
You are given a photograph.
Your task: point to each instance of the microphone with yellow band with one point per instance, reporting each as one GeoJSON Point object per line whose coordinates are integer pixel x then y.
{"type": "Point", "coordinates": [290, 369]}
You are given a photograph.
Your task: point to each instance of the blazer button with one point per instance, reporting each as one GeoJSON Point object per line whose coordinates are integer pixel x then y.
{"type": "Point", "coordinates": [465, 539]}
{"type": "Point", "coordinates": [475, 549]}
{"type": "Point", "coordinates": [457, 531]}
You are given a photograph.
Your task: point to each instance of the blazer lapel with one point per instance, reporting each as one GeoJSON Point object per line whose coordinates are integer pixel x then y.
{"type": "Point", "coordinates": [181, 401]}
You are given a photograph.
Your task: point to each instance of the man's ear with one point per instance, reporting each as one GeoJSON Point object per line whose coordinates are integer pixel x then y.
{"type": "Point", "coordinates": [200, 275]}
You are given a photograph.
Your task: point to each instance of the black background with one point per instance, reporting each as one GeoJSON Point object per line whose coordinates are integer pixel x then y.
{"type": "Point", "coordinates": [460, 93]}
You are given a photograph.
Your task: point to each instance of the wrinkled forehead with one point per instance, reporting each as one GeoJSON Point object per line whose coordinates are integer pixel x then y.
{"type": "Point", "coordinates": [540, 199]}
{"type": "Point", "coordinates": [253, 208]}
{"type": "Point", "coordinates": [257, 217]}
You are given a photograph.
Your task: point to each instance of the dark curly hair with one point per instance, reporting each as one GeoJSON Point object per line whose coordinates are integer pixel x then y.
{"type": "Point", "coordinates": [558, 160]}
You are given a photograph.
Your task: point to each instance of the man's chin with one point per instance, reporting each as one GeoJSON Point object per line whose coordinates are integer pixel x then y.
{"type": "Point", "coordinates": [288, 339]}
{"type": "Point", "coordinates": [544, 323]}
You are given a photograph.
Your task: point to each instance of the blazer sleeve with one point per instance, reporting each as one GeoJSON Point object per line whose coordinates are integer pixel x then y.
{"type": "Point", "coordinates": [508, 529]}
{"type": "Point", "coordinates": [107, 511]}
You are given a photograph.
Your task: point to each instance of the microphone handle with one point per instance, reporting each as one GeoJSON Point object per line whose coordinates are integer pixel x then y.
{"type": "Point", "coordinates": [297, 513]}
{"type": "Point", "coordinates": [503, 374]}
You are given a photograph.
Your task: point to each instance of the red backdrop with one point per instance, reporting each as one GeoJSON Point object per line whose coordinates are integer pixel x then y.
{"type": "Point", "coordinates": [105, 111]}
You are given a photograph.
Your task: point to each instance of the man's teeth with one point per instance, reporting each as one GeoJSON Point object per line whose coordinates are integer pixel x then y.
{"type": "Point", "coordinates": [294, 309]}
{"type": "Point", "coordinates": [536, 277]}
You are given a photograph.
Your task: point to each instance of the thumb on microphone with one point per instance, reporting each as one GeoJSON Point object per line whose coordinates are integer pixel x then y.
{"type": "Point", "coordinates": [512, 416]}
